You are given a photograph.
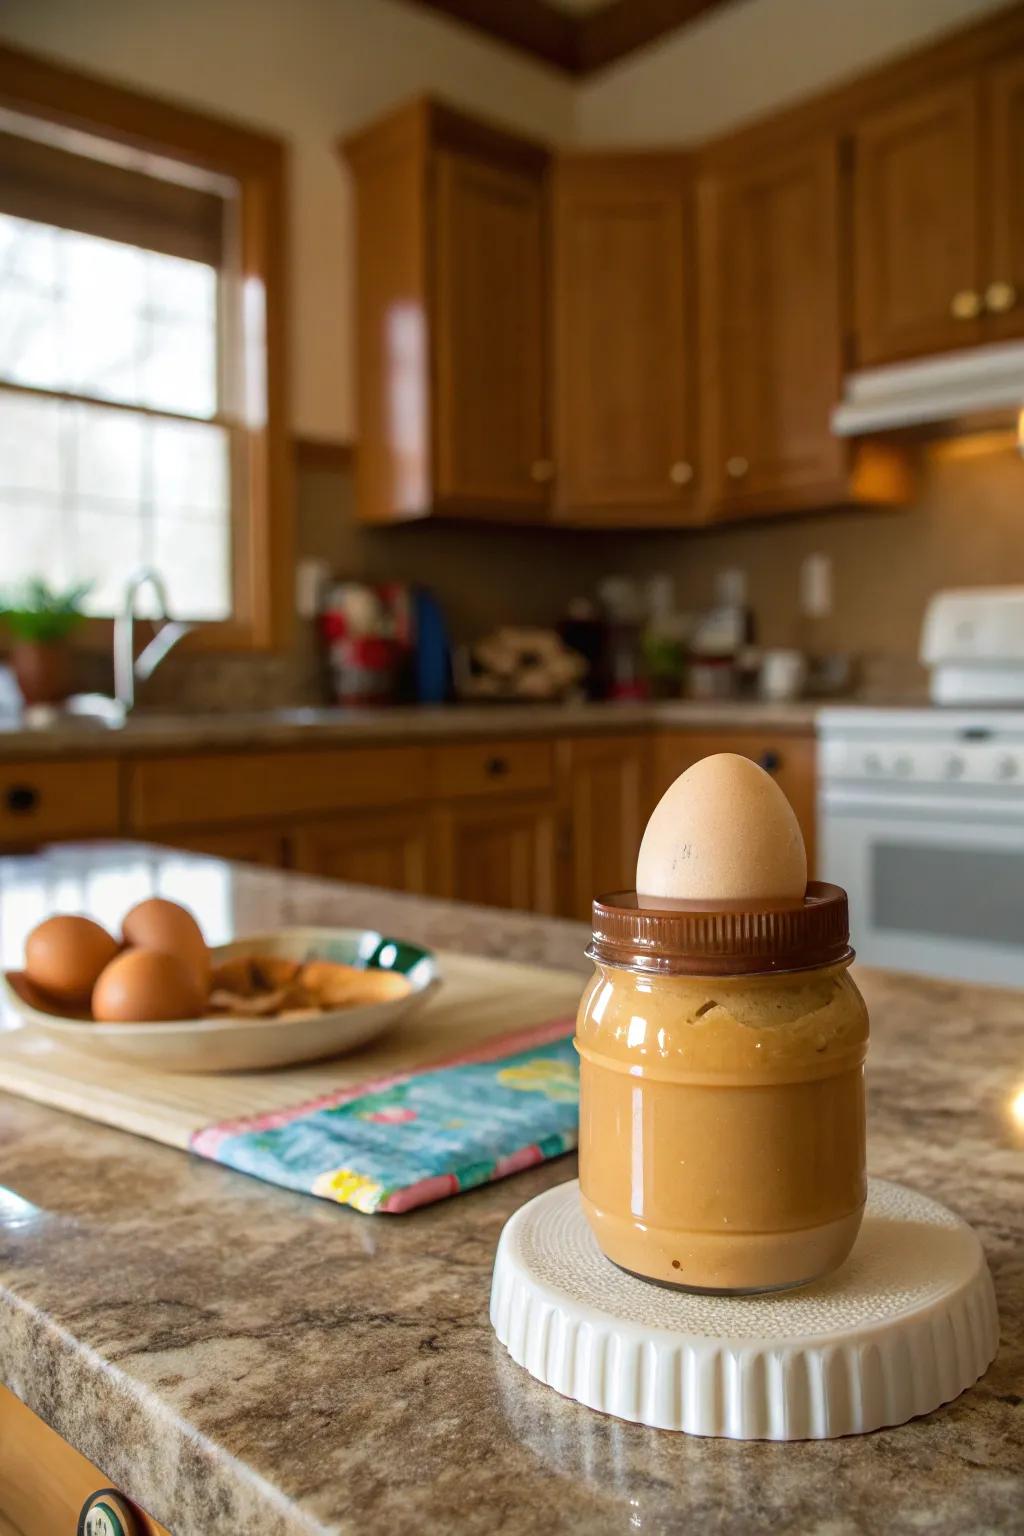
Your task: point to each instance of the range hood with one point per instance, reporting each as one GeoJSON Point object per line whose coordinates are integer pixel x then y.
{"type": "Point", "coordinates": [940, 392]}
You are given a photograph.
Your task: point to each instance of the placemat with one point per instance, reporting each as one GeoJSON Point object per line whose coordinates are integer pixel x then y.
{"type": "Point", "coordinates": [489, 1017]}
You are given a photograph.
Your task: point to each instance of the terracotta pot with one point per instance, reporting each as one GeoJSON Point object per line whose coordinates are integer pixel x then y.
{"type": "Point", "coordinates": [43, 670]}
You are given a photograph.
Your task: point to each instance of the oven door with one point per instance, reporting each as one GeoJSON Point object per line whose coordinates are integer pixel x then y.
{"type": "Point", "coordinates": [936, 882]}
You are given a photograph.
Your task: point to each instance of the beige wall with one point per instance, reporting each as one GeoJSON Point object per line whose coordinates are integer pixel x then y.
{"type": "Point", "coordinates": [311, 71]}
{"type": "Point", "coordinates": [749, 57]}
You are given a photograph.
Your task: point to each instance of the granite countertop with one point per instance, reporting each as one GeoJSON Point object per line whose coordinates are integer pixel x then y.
{"type": "Point", "coordinates": [242, 1359]}
{"type": "Point", "coordinates": [157, 732]}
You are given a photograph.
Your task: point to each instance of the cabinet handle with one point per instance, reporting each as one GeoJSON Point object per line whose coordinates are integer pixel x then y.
{"type": "Point", "coordinates": [21, 799]}
{"type": "Point", "coordinates": [770, 761]}
{"type": "Point", "coordinates": [542, 470]}
{"type": "Point", "coordinates": [496, 767]}
{"type": "Point", "coordinates": [965, 305]}
{"type": "Point", "coordinates": [736, 467]}
{"type": "Point", "coordinates": [681, 473]}
{"type": "Point", "coordinates": [999, 297]}
{"type": "Point", "coordinates": [107, 1513]}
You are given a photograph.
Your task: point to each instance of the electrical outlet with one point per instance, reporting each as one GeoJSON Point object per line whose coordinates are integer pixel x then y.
{"type": "Point", "coordinates": [816, 586]}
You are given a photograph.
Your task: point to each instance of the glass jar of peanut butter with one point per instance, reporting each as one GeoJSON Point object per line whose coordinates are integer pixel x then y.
{"type": "Point", "coordinates": [722, 1091]}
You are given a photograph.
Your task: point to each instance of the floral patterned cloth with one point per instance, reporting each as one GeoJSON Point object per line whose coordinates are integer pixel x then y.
{"type": "Point", "coordinates": [418, 1137]}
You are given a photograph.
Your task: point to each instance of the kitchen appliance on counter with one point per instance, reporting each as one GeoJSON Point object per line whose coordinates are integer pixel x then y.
{"type": "Point", "coordinates": [973, 642]}
{"type": "Point", "coordinates": [921, 818]}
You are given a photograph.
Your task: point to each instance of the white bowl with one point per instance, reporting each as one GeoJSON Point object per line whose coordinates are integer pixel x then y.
{"type": "Point", "coordinates": [222, 1044]}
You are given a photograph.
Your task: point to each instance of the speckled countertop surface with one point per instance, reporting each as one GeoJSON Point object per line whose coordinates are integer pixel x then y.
{"type": "Point", "coordinates": [241, 1359]}
{"type": "Point", "coordinates": [157, 733]}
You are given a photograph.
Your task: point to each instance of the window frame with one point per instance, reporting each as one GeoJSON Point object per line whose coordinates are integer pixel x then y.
{"type": "Point", "coordinates": [262, 516]}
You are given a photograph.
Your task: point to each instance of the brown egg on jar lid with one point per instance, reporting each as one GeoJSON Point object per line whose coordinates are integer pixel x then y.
{"type": "Point", "coordinates": [144, 986]}
{"type": "Point", "coordinates": [65, 954]}
{"type": "Point", "coordinates": [170, 928]}
{"type": "Point", "coordinates": [722, 832]}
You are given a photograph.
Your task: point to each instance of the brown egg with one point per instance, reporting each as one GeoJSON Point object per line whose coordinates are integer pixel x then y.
{"type": "Point", "coordinates": [724, 831]}
{"type": "Point", "coordinates": [170, 928]}
{"type": "Point", "coordinates": [64, 955]}
{"type": "Point", "coordinates": [143, 986]}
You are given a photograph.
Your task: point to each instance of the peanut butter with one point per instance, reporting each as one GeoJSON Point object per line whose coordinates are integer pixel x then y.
{"type": "Point", "coordinates": [722, 1116]}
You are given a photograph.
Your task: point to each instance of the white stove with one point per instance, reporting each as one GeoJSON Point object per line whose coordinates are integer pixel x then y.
{"type": "Point", "coordinates": [921, 818]}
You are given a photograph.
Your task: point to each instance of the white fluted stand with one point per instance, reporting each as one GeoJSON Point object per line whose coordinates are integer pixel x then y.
{"type": "Point", "coordinates": [906, 1324]}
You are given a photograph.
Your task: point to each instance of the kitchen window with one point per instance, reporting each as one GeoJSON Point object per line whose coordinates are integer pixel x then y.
{"type": "Point", "coordinates": [140, 355]}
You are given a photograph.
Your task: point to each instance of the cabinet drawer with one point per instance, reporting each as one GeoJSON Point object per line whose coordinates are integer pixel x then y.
{"type": "Point", "coordinates": [248, 786]}
{"type": "Point", "coordinates": [491, 768]}
{"type": "Point", "coordinates": [44, 1482]}
{"type": "Point", "coordinates": [43, 800]}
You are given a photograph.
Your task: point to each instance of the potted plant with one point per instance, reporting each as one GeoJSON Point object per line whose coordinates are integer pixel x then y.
{"type": "Point", "coordinates": [40, 620]}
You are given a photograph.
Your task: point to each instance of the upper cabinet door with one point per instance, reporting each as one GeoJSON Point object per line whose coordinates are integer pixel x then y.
{"type": "Point", "coordinates": [489, 354]}
{"type": "Point", "coordinates": [1004, 269]}
{"type": "Point", "coordinates": [771, 343]}
{"type": "Point", "coordinates": [624, 349]}
{"type": "Point", "coordinates": [918, 282]}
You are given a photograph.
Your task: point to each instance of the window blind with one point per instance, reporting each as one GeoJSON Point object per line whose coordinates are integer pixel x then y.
{"type": "Point", "coordinates": [55, 186]}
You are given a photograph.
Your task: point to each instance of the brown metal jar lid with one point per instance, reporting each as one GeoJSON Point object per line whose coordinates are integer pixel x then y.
{"type": "Point", "coordinates": [686, 938]}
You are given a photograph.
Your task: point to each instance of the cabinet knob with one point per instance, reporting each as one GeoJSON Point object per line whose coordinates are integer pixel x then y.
{"type": "Point", "coordinates": [107, 1513]}
{"type": "Point", "coordinates": [542, 470]}
{"type": "Point", "coordinates": [21, 799]}
{"type": "Point", "coordinates": [681, 473]}
{"type": "Point", "coordinates": [770, 761]}
{"type": "Point", "coordinates": [496, 767]}
{"type": "Point", "coordinates": [736, 466]}
{"type": "Point", "coordinates": [965, 305]}
{"type": "Point", "coordinates": [999, 297]}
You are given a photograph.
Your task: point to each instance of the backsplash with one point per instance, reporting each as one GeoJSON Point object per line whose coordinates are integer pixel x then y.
{"type": "Point", "coordinates": [965, 529]}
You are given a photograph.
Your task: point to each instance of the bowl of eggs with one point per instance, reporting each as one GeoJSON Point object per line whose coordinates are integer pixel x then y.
{"type": "Point", "coordinates": [158, 996]}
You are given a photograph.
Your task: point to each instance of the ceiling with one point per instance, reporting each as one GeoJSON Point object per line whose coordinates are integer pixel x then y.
{"type": "Point", "coordinates": [578, 7]}
{"type": "Point", "coordinates": [577, 36]}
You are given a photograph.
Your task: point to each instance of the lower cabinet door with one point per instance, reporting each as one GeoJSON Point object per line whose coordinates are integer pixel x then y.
{"type": "Point", "coordinates": [391, 849]}
{"type": "Point", "coordinates": [501, 853]}
{"type": "Point", "coordinates": [610, 801]}
{"type": "Point", "coordinates": [245, 845]}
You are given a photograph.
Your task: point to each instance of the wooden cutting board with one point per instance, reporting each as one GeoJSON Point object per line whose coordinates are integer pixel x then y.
{"type": "Point", "coordinates": [478, 1000]}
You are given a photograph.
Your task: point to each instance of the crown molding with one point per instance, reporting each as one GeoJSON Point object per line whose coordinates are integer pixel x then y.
{"type": "Point", "coordinates": [577, 44]}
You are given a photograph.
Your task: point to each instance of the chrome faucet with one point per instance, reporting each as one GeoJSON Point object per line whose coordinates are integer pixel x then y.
{"type": "Point", "coordinates": [128, 668]}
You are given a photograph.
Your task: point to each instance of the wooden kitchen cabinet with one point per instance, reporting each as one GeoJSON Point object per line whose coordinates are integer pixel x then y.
{"type": "Point", "coordinates": [244, 845]}
{"type": "Point", "coordinates": [625, 387]}
{"type": "Point", "coordinates": [917, 257]}
{"type": "Point", "coordinates": [770, 338]}
{"type": "Point", "coordinates": [229, 788]}
{"type": "Point", "coordinates": [939, 219]}
{"type": "Point", "coordinates": [1004, 271]}
{"type": "Point", "coordinates": [491, 411]}
{"type": "Point", "coordinates": [390, 849]}
{"type": "Point", "coordinates": [610, 797]}
{"type": "Point", "coordinates": [44, 1481]}
{"type": "Point", "coordinates": [790, 759]}
{"type": "Point", "coordinates": [51, 799]}
{"type": "Point", "coordinates": [452, 318]}
{"type": "Point", "coordinates": [500, 853]}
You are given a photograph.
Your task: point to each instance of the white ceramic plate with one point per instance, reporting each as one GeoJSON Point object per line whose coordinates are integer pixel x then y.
{"type": "Point", "coordinates": [249, 1045]}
